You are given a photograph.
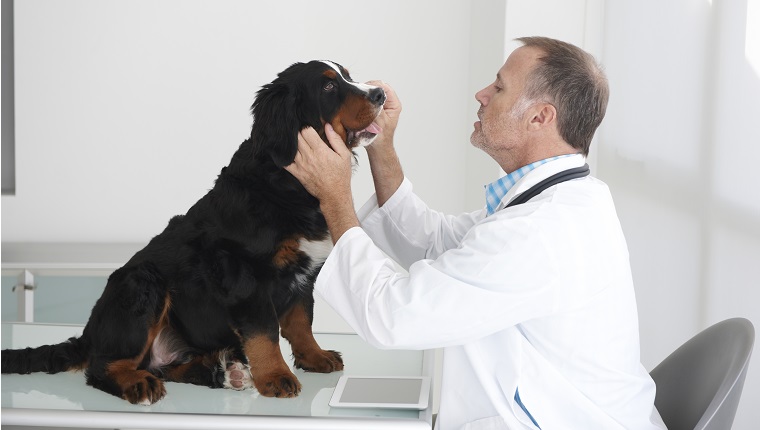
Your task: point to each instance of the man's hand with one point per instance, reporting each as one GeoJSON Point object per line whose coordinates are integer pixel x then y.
{"type": "Point", "coordinates": [388, 118]}
{"type": "Point", "coordinates": [383, 161]}
{"type": "Point", "coordinates": [326, 174]}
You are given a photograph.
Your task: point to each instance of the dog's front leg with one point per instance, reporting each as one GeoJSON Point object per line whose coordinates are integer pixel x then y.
{"type": "Point", "coordinates": [260, 341]}
{"type": "Point", "coordinates": [271, 375]}
{"type": "Point", "coordinates": [296, 328]}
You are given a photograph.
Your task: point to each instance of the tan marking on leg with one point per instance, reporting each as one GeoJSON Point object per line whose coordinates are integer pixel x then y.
{"type": "Point", "coordinates": [296, 328]}
{"type": "Point", "coordinates": [271, 375]}
{"type": "Point", "coordinates": [179, 372]}
{"type": "Point", "coordinates": [139, 386]}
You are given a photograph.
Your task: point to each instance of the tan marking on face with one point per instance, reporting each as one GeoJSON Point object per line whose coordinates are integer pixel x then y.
{"type": "Point", "coordinates": [356, 113]}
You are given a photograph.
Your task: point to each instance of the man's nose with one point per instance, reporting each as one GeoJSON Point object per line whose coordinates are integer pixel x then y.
{"type": "Point", "coordinates": [482, 97]}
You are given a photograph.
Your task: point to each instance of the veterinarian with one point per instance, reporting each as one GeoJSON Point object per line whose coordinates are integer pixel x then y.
{"type": "Point", "coordinates": [533, 304]}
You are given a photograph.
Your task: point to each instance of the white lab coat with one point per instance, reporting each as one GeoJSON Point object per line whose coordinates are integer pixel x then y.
{"type": "Point", "coordinates": [537, 297]}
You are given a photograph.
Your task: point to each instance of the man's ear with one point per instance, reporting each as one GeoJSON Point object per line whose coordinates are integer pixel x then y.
{"type": "Point", "coordinates": [542, 115]}
{"type": "Point", "coordinates": [275, 124]}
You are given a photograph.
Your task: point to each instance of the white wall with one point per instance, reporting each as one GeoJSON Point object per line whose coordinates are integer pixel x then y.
{"type": "Point", "coordinates": [127, 110]}
{"type": "Point", "coordinates": [679, 149]}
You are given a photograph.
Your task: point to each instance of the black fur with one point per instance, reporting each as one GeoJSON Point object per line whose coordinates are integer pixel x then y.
{"type": "Point", "coordinates": [225, 276]}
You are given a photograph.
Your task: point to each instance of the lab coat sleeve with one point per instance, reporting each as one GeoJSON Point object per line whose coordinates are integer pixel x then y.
{"type": "Point", "coordinates": [407, 230]}
{"type": "Point", "coordinates": [467, 293]}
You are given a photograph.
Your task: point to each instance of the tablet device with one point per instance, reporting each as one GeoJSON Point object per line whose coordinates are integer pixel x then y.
{"type": "Point", "coordinates": [396, 392]}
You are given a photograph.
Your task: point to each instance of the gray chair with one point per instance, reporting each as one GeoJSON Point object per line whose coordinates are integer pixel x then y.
{"type": "Point", "coordinates": [700, 383]}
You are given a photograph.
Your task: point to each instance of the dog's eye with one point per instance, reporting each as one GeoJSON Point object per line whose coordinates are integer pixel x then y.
{"type": "Point", "coordinates": [329, 86]}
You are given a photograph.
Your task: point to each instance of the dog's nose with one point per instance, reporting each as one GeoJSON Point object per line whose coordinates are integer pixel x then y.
{"type": "Point", "coordinates": [376, 96]}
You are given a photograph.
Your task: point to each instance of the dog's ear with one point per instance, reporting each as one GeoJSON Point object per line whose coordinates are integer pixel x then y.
{"type": "Point", "coordinates": [275, 123]}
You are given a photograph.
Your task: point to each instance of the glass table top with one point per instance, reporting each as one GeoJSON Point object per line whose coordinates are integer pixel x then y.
{"type": "Point", "coordinates": [68, 392]}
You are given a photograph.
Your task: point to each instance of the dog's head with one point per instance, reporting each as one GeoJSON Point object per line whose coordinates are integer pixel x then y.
{"type": "Point", "coordinates": [313, 94]}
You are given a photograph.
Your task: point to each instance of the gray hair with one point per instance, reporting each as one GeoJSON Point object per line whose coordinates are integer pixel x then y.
{"type": "Point", "coordinates": [573, 82]}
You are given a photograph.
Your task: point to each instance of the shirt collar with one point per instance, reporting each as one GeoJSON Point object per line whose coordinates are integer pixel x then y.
{"type": "Point", "coordinates": [496, 190]}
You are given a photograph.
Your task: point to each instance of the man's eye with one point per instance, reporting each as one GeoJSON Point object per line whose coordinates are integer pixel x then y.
{"type": "Point", "coordinates": [329, 86]}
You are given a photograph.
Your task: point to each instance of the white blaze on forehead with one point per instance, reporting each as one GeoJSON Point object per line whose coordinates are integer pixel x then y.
{"type": "Point", "coordinates": [361, 87]}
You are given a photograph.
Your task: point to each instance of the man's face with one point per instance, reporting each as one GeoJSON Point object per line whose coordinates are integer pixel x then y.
{"type": "Point", "coordinates": [502, 112]}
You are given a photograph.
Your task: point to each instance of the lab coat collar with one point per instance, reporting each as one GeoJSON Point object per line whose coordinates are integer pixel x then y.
{"type": "Point", "coordinates": [539, 174]}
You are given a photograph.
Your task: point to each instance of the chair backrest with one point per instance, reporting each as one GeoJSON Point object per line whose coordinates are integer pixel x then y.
{"type": "Point", "coordinates": [700, 383]}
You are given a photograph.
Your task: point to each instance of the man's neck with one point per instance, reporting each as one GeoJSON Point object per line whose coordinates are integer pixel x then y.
{"type": "Point", "coordinates": [513, 160]}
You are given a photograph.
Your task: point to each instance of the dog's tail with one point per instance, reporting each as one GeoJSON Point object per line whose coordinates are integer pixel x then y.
{"type": "Point", "coordinates": [69, 355]}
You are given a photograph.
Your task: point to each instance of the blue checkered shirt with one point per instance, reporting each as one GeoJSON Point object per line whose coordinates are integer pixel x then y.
{"type": "Point", "coordinates": [495, 191]}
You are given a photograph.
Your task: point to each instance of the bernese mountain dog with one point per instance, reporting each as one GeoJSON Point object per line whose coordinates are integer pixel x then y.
{"type": "Point", "coordinates": [206, 300]}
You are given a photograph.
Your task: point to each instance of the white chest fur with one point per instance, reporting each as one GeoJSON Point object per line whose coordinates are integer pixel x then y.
{"type": "Point", "coordinates": [316, 250]}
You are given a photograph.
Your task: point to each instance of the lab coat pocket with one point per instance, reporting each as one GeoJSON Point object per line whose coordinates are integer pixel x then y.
{"type": "Point", "coordinates": [491, 423]}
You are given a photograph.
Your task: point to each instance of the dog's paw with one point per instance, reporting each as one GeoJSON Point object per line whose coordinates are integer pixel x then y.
{"type": "Point", "coordinates": [145, 389]}
{"type": "Point", "coordinates": [278, 384]}
{"type": "Point", "coordinates": [319, 361]}
{"type": "Point", "coordinates": [237, 376]}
